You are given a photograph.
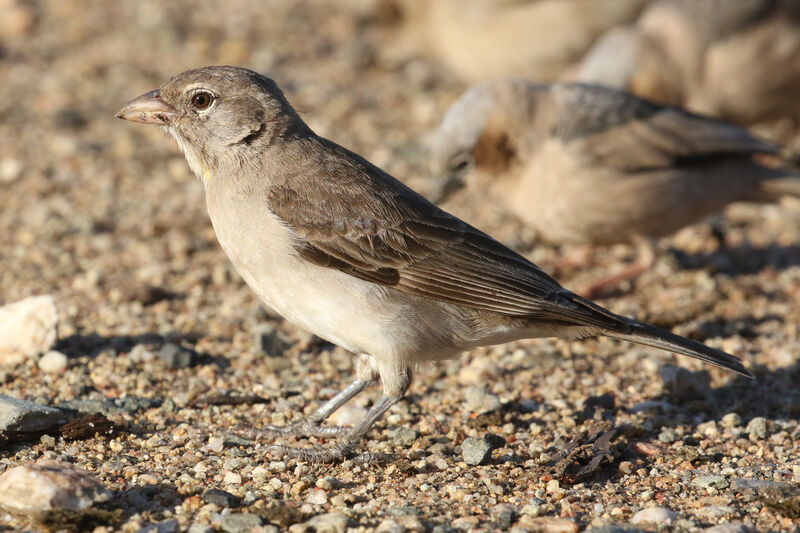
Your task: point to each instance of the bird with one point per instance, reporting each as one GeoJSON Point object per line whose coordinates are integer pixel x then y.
{"type": "Point", "coordinates": [593, 165]}
{"type": "Point", "coordinates": [733, 60]}
{"type": "Point", "coordinates": [343, 249]}
{"type": "Point", "coordinates": [477, 40]}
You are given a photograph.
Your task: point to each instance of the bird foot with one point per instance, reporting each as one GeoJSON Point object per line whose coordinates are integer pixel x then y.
{"type": "Point", "coordinates": [302, 428]}
{"type": "Point", "coordinates": [334, 454]}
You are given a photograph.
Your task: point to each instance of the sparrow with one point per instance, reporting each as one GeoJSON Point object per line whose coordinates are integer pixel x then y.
{"type": "Point", "coordinates": [733, 60]}
{"type": "Point", "coordinates": [341, 248]}
{"type": "Point", "coordinates": [588, 164]}
{"type": "Point", "coordinates": [478, 40]}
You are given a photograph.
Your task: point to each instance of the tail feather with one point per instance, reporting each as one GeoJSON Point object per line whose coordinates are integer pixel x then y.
{"type": "Point", "coordinates": [658, 338]}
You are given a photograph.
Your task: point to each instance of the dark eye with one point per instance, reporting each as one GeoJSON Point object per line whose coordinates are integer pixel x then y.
{"type": "Point", "coordinates": [202, 99]}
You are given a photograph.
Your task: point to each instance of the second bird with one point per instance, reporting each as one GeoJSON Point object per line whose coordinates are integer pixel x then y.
{"type": "Point", "coordinates": [586, 164]}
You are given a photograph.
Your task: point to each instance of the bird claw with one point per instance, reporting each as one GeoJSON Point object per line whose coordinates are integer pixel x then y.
{"type": "Point", "coordinates": [334, 454]}
{"type": "Point", "coordinates": [302, 428]}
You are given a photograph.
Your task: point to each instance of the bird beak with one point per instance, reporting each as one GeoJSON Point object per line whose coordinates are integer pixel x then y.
{"type": "Point", "coordinates": [148, 109]}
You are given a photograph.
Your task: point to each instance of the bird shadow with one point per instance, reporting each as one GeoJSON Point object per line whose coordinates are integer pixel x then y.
{"type": "Point", "coordinates": [92, 344]}
{"type": "Point", "coordinates": [741, 259]}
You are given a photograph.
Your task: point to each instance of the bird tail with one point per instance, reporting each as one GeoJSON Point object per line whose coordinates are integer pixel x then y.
{"type": "Point", "coordinates": [658, 338]}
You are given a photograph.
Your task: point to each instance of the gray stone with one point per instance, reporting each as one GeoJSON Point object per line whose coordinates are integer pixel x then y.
{"type": "Point", "coordinates": [271, 341]}
{"type": "Point", "coordinates": [614, 528]}
{"type": "Point", "coordinates": [731, 420]}
{"type": "Point", "coordinates": [730, 528]}
{"type": "Point", "coordinates": [221, 498]}
{"type": "Point", "coordinates": [757, 428]}
{"type": "Point", "coordinates": [389, 526]}
{"type": "Point", "coordinates": [327, 523]}
{"type": "Point", "coordinates": [404, 436]}
{"type": "Point", "coordinates": [167, 526]}
{"type": "Point", "coordinates": [475, 450]}
{"type": "Point", "coordinates": [200, 528]}
{"type": "Point", "coordinates": [668, 436]}
{"type": "Point", "coordinates": [240, 522]}
{"type": "Point", "coordinates": [177, 356]}
{"type": "Point", "coordinates": [504, 515]}
{"type": "Point", "coordinates": [705, 482]}
{"type": "Point", "coordinates": [478, 400]}
{"type": "Point", "coordinates": [37, 488]}
{"type": "Point", "coordinates": [20, 415]}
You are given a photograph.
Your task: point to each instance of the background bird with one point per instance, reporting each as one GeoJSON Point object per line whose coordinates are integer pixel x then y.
{"type": "Point", "coordinates": [587, 164]}
{"type": "Point", "coordinates": [343, 249]}
{"type": "Point", "coordinates": [479, 40]}
{"type": "Point", "coordinates": [734, 60]}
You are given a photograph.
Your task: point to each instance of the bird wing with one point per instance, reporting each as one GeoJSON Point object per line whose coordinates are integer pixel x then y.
{"type": "Point", "coordinates": [351, 216]}
{"type": "Point", "coordinates": [620, 130]}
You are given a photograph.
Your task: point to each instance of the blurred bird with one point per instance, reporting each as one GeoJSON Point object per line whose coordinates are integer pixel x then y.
{"type": "Point", "coordinates": [343, 249]}
{"type": "Point", "coordinates": [587, 164]}
{"type": "Point", "coordinates": [479, 40]}
{"type": "Point", "coordinates": [736, 60]}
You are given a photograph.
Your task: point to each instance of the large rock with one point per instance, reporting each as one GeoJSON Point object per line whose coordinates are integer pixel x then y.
{"type": "Point", "coordinates": [37, 488]}
{"type": "Point", "coordinates": [27, 328]}
{"type": "Point", "coordinates": [23, 416]}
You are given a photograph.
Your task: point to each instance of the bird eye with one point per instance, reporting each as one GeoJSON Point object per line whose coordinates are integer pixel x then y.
{"type": "Point", "coordinates": [202, 99]}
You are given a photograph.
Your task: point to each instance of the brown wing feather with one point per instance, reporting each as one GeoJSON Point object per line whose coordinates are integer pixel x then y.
{"type": "Point", "coordinates": [357, 219]}
{"type": "Point", "coordinates": [618, 129]}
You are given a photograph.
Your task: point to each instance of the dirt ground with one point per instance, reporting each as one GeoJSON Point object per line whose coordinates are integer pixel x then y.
{"type": "Point", "coordinates": [106, 216]}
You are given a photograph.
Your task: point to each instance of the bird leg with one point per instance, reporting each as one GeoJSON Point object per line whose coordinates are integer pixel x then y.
{"type": "Point", "coordinates": [349, 440]}
{"type": "Point", "coordinates": [310, 425]}
{"type": "Point", "coordinates": [646, 258]}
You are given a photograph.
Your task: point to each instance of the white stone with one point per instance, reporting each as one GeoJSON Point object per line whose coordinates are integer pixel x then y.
{"type": "Point", "coordinates": [328, 522]}
{"type": "Point", "coordinates": [347, 415]}
{"type": "Point", "coordinates": [53, 362]}
{"type": "Point", "coordinates": [27, 328]}
{"type": "Point", "coordinates": [216, 444]}
{"type": "Point", "coordinates": [654, 515]}
{"type": "Point", "coordinates": [47, 486]}
{"type": "Point", "coordinates": [317, 497]}
{"type": "Point", "coordinates": [10, 169]}
{"type": "Point", "coordinates": [232, 478]}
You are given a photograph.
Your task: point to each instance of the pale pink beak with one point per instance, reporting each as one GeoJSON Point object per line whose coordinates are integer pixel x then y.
{"type": "Point", "coordinates": [148, 109]}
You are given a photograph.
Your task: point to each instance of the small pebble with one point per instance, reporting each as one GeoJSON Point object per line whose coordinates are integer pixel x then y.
{"type": "Point", "coordinates": [475, 450]}
{"type": "Point", "coordinates": [479, 400]}
{"type": "Point", "coordinates": [53, 362]}
{"type": "Point", "coordinates": [731, 420]}
{"type": "Point", "coordinates": [328, 522]}
{"type": "Point", "coordinates": [176, 356]}
{"type": "Point", "coordinates": [757, 428]}
{"type": "Point", "coordinates": [705, 482]}
{"type": "Point", "coordinates": [317, 497]}
{"type": "Point", "coordinates": [221, 498]}
{"type": "Point", "coordinates": [240, 522]}
{"type": "Point", "coordinates": [654, 515]}
{"type": "Point", "coordinates": [404, 436]}
{"type": "Point", "coordinates": [271, 341]}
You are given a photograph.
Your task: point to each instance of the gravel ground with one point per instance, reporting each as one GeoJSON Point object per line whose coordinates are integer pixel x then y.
{"type": "Point", "coordinates": [540, 435]}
